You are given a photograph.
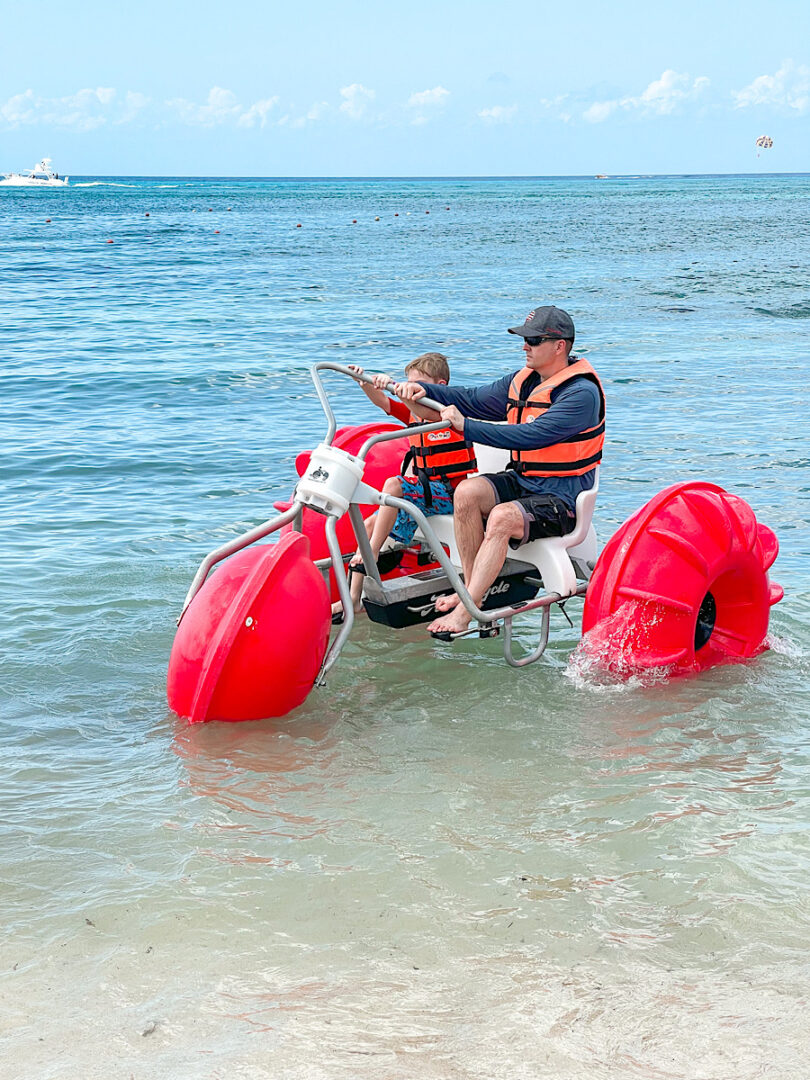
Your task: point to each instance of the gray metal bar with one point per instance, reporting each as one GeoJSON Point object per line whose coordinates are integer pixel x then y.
{"type": "Point", "coordinates": [452, 574]}
{"type": "Point", "coordinates": [359, 526]}
{"type": "Point", "coordinates": [336, 647]}
{"type": "Point", "coordinates": [530, 658]}
{"type": "Point", "coordinates": [389, 436]}
{"type": "Point", "coordinates": [239, 542]}
{"type": "Point", "coordinates": [328, 365]}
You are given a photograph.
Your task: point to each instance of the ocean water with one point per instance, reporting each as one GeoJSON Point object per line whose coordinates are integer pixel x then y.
{"type": "Point", "coordinates": [438, 866]}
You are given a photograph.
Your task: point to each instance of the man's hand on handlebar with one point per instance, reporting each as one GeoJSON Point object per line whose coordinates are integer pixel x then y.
{"type": "Point", "coordinates": [451, 414]}
{"type": "Point", "coordinates": [410, 391]}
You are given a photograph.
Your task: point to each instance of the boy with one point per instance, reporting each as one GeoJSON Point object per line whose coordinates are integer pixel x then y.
{"type": "Point", "coordinates": [435, 464]}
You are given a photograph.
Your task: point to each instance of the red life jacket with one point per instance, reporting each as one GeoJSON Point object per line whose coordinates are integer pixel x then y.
{"type": "Point", "coordinates": [440, 455]}
{"type": "Point", "coordinates": [573, 456]}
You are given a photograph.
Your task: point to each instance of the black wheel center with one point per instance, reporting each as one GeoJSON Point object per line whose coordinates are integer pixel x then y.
{"type": "Point", "coordinates": [705, 621]}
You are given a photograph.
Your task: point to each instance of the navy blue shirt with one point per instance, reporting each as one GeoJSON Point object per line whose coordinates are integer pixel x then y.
{"type": "Point", "coordinates": [574, 408]}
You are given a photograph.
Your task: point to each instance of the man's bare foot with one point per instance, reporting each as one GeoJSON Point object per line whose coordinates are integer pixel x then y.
{"type": "Point", "coordinates": [455, 622]}
{"type": "Point", "coordinates": [447, 603]}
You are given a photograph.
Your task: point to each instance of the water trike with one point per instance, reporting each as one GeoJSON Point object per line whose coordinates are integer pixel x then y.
{"type": "Point", "coordinates": [681, 586]}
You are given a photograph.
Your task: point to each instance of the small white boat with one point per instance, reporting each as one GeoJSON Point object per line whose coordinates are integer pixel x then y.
{"type": "Point", "coordinates": [42, 175]}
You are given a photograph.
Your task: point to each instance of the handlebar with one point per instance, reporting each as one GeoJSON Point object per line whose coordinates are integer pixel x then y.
{"type": "Point", "coordinates": [328, 365]}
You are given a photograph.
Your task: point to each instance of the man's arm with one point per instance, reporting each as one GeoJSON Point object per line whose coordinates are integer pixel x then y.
{"type": "Point", "coordinates": [574, 408]}
{"type": "Point", "coordinates": [483, 402]}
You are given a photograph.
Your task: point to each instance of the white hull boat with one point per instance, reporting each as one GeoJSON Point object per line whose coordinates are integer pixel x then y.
{"type": "Point", "coordinates": [42, 175]}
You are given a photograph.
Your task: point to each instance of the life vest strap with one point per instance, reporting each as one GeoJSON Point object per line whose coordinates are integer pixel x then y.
{"type": "Point", "coordinates": [519, 403]}
{"type": "Point", "coordinates": [584, 436]}
{"type": "Point", "coordinates": [573, 468]}
{"type": "Point", "coordinates": [438, 472]}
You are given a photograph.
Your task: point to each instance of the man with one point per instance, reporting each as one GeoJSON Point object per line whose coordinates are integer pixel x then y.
{"type": "Point", "coordinates": [555, 413]}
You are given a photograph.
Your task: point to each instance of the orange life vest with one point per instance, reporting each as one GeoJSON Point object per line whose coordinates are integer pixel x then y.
{"type": "Point", "coordinates": [440, 455]}
{"type": "Point", "coordinates": [573, 456]}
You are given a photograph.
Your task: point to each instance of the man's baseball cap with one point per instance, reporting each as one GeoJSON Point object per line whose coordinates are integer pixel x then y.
{"type": "Point", "coordinates": [546, 322]}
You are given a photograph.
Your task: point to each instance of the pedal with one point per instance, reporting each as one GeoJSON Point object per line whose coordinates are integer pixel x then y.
{"type": "Point", "coordinates": [488, 631]}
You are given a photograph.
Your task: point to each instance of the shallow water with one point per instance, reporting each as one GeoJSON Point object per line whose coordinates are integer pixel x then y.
{"type": "Point", "coordinates": [438, 866]}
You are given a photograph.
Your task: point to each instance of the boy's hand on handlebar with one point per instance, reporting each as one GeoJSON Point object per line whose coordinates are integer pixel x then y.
{"type": "Point", "coordinates": [410, 391]}
{"type": "Point", "coordinates": [381, 381]}
{"type": "Point", "coordinates": [355, 368]}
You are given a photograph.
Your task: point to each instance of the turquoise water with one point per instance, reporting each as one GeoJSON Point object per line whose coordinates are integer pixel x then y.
{"type": "Point", "coordinates": [437, 866]}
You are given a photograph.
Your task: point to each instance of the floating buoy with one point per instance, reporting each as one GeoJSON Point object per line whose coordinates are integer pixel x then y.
{"type": "Point", "coordinates": [110, 241]}
{"type": "Point", "coordinates": [376, 219]}
{"type": "Point", "coordinates": [396, 215]}
{"type": "Point", "coordinates": [252, 641]}
{"type": "Point", "coordinates": [146, 214]}
{"type": "Point", "coordinates": [298, 226]}
{"type": "Point", "coordinates": [229, 209]}
{"type": "Point", "coordinates": [216, 232]}
{"type": "Point", "coordinates": [682, 585]}
{"type": "Point", "coordinates": [427, 211]}
{"type": "Point", "coordinates": [210, 209]}
{"type": "Point", "coordinates": [47, 221]}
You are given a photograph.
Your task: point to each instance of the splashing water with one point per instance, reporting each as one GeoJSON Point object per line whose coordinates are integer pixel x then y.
{"type": "Point", "coordinates": [606, 656]}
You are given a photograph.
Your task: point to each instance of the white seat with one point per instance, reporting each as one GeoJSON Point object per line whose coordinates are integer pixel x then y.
{"type": "Point", "coordinates": [553, 555]}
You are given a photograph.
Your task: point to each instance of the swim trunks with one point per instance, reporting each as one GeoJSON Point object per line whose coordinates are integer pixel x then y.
{"type": "Point", "coordinates": [413, 492]}
{"type": "Point", "coordinates": [543, 514]}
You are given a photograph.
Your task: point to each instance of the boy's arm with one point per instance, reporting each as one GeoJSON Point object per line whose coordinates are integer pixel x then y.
{"type": "Point", "coordinates": [482, 402]}
{"type": "Point", "coordinates": [423, 412]}
{"type": "Point", "coordinates": [374, 394]}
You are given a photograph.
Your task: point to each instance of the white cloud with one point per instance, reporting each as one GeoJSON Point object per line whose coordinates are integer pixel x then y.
{"type": "Point", "coordinates": [19, 109]}
{"type": "Point", "coordinates": [355, 99]}
{"type": "Point", "coordinates": [88, 109]}
{"type": "Point", "coordinates": [134, 103]}
{"type": "Point", "coordinates": [661, 97]}
{"type": "Point", "coordinates": [789, 88]}
{"type": "Point", "coordinates": [313, 114]}
{"type": "Point", "coordinates": [498, 114]}
{"type": "Point", "coordinates": [257, 114]}
{"type": "Point", "coordinates": [425, 98]}
{"type": "Point", "coordinates": [599, 111]}
{"type": "Point", "coordinates": [82, 111]}
{"type": "Point", "coordinates": [220, 106]}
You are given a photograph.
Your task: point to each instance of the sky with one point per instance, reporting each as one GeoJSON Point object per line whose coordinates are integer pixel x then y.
{"type": "Point", "coordinates": [441, 88]}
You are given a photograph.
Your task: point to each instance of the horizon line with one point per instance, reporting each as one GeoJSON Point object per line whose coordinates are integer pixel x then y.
{"type": "Point", "coordinates": [436, 176]}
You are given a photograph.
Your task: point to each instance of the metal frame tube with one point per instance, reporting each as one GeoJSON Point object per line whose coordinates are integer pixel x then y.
{"type": "Point", "coordinates": [363, 543]}
{"type": "Point", "coordinates": [329, 365]}
{"type": "Point", "coordinates": [336, 647]}
{"type": "Point", "coordinates": [239, 542]}
{"type": "Point", "coordinates": [529, 658]}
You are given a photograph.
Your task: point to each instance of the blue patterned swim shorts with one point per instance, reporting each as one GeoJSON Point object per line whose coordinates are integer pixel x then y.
{"type": "Point", "coordinates": [413, 492]}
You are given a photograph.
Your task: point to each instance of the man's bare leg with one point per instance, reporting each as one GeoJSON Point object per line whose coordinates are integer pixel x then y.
{"type": "Point", "coordinates": [473, 501]}
{"type": "Point", "coordinates": [505, 523]}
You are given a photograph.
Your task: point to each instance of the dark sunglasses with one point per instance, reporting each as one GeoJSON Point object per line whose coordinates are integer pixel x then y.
{"type": "Point", "coordinates": [535, 341]}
